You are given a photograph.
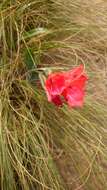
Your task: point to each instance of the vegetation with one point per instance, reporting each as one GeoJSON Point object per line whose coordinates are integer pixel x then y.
{"type": "Point", "coordinates": [40, 143]}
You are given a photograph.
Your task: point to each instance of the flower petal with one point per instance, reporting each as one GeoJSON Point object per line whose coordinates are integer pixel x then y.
{"type": "Point", "coordinates": [74, 74]}
{"type": "Point", "coordinates": [55, 84]}
{"type": "Point", "coordinates": [80, 82]}
{"type": "Point", "coordinates": [74, 96]}
{"type": "Point", "coordinates": [57, 101]}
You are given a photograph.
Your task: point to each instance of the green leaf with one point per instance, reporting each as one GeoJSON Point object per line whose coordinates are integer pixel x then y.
{"type": "Point", "coordinates": [31, 65]}
{"type": "Point", "coordinates": [35, 32]}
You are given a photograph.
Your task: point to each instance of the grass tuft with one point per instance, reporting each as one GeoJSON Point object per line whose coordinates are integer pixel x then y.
{"type": "Point", "coordinates": [42, 146]}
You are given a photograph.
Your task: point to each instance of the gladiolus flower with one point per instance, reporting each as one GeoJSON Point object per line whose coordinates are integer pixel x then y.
{"type": "Point", "coordinates": [67, 86]}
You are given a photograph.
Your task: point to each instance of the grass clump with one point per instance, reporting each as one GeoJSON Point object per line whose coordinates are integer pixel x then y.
{"type": "Point", "coordinates": [41, 146]}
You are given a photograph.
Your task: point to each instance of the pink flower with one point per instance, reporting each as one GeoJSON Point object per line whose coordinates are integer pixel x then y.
{"type": "Point", "coordinates": [67, 86]}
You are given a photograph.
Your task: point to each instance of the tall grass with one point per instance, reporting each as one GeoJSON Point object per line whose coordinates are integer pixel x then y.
{"type": "Point", "coordinates": [42, 146]}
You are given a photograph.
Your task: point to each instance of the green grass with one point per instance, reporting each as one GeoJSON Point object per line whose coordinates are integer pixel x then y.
{"type": "Point", "coordinates": [37, 37]}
